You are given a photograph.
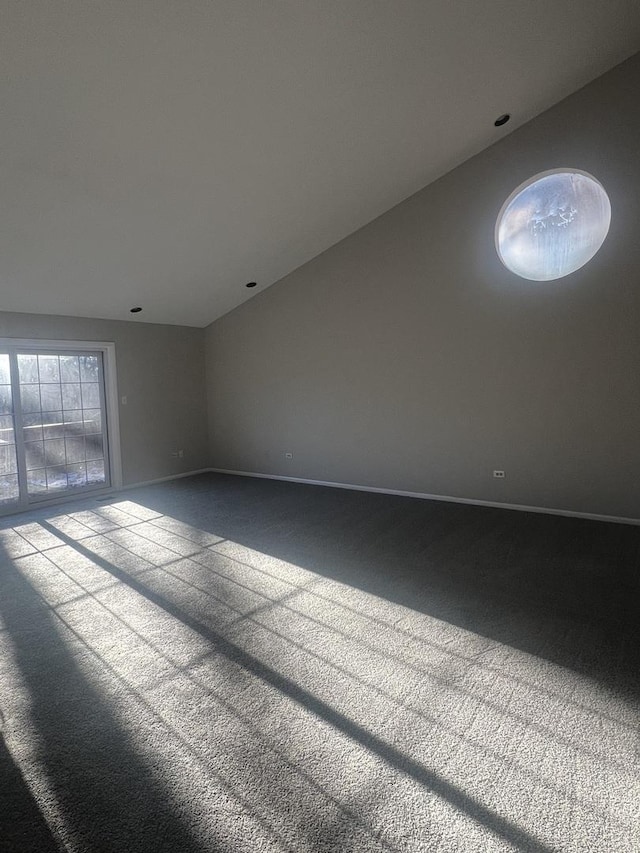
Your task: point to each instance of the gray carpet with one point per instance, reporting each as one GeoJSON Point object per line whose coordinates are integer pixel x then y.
{"type": "Point", "coordinates": [227, 664]}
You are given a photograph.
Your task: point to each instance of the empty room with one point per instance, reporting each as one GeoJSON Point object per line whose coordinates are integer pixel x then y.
{"type": "Point", "coordinates": [319, 426]}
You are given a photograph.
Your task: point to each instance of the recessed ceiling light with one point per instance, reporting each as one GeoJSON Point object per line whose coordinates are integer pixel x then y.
{"type": "Point", "coordinates": [136, 310]}
{"type": "Point", "coordinates": [503, 119]}
{"type": "Point", "coordinates": [251, 284]}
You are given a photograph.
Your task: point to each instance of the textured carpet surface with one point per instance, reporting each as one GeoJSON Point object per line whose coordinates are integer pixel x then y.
{"type": "Point", "coordinates": [227, 664]}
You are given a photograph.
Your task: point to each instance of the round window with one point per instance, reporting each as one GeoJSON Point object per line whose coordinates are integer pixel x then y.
{"type": "Point", "coordinates": [552, 224]}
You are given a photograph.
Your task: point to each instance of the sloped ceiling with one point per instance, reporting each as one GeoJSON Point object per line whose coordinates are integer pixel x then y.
{"type": "Point", "coordinates": [162, 153]}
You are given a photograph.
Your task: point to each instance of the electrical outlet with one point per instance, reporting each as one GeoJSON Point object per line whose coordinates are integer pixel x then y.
{"type": "Point", "coordinates": [180, 454]}
{"type": "Point", "coordinates": [499, 475]}
{"type": "Point", "coordinates": [288, 455]}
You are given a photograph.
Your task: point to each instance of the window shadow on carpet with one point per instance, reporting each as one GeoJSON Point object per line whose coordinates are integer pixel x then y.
{"type": "Point", "coordinates": [564, 589]}
{"type": "Point", "coordinates": [396, 759]}
{"type": "Point", "coordinates": [97, 781]}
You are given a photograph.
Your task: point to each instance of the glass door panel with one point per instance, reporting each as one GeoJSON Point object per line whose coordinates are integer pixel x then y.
{"type": "Point", "coordinates": [63, 427]}
{"type": "Point", "coordinates": [9, 483]}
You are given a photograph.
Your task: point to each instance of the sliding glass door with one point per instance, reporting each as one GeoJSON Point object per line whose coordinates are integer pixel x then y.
{"type": "Point", "coordinates": [53, 430]}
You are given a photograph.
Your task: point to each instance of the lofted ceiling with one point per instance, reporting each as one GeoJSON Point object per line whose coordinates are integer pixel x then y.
{"type": "Point", "coordinates": [163, 153]}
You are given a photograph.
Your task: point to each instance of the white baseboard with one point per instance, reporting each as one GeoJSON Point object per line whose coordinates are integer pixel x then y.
{"type": "Point", "coordinates": [423, 496]}
{"type": "Point", "coordinates": [164, 479]}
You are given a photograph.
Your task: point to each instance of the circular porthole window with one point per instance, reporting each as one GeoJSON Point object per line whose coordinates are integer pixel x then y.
{"type": "Point", "coordinates": [552, 224]}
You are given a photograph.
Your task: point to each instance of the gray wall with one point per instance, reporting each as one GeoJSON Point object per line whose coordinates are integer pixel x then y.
{"type": "Point", "coordinates": [407, 357]}
{"type": "Point", "coordinates": [160, 370]}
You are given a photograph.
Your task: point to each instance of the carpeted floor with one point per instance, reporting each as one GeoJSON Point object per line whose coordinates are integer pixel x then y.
{"type": "Point", "coordinates": [227, 664]}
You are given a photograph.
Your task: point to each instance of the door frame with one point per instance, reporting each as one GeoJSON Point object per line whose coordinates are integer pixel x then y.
{"type": "Point", "coordinates": [108, 350]}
